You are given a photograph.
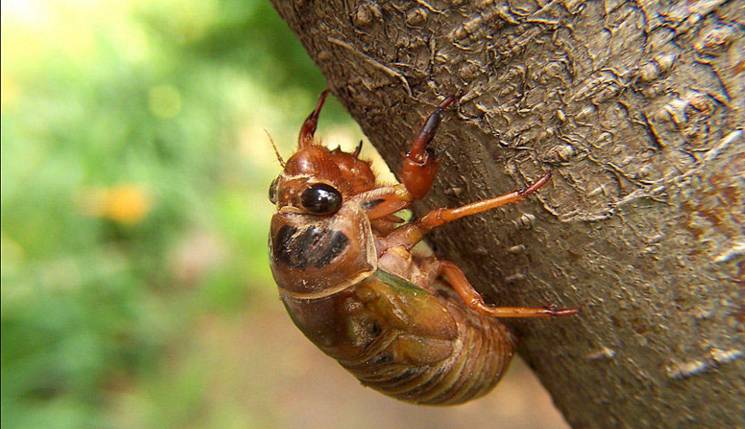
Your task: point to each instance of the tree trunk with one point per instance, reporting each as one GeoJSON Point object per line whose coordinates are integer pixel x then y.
{"type": "Point", "coordinates": [638, 109]}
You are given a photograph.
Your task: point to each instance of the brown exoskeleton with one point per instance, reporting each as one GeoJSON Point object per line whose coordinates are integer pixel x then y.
{"type": "Point", "coordinates": [409, 326]}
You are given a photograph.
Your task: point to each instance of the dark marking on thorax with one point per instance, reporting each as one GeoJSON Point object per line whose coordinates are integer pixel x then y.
{"type": "Point", "coordinates": [310, 246]}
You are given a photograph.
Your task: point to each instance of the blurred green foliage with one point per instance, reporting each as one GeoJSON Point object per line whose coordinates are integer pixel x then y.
{"type": "Point", "coordinates": [134, 176]}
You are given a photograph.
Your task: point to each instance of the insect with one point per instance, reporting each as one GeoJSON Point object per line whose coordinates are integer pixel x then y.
{"type": "Point", "coordinates": [407, 325]}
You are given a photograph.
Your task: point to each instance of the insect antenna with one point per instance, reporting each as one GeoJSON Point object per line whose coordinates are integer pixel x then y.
{"type": "Point", "coordinates": [276, 150]}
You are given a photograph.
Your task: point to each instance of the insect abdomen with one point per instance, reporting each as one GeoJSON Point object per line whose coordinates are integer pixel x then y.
{"type": "Point", "coordinates": [404, 366]}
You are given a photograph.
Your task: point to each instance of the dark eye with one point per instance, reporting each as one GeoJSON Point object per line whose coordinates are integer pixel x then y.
{"type": "Point", "coordinates": [321, 199]}
{"type": "Point", "coordinates": [273, 191]}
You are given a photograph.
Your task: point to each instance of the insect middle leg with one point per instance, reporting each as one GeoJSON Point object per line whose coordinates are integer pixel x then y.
{"type": "Point", "coordinates": [410, 234]}
{"type": "Point", "coordinates": [460, 284]}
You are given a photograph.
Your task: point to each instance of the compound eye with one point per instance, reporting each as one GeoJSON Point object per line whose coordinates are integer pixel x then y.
{"type": "Point", "coordinates": [321, 199]}
{"type": "Point", "coordinates": [273, 191]}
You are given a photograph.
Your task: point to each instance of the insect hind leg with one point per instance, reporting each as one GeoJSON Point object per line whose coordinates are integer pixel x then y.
{"type": "Point", "coordinates": [457, 280]}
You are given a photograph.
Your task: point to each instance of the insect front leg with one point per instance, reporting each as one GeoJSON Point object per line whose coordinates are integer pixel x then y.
{"type": "Point", "coordinates": [308, 130]}
{"type": "Point", "coordinates": [417, 173]}
{"type": "Point", "coordinates": [420, 166]}
{"type": "Point", "coordinates": [382, 203]}
{"type": "Point", "coordinates": [457, 280]}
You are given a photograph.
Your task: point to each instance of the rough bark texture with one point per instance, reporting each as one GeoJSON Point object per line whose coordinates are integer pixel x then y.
{"type": "Point", "coordinates": [638, 108]}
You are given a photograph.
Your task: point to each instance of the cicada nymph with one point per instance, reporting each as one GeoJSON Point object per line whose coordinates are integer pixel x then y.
{"type": "Point", "coordinates": [410, 326]}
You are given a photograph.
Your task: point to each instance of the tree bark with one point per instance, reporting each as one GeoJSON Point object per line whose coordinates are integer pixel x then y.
{"type": "Point", "coordinates": [638, 109]}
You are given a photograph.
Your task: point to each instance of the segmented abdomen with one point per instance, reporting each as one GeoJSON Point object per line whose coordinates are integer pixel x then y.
{"type": "Point", "coordinates": [480, 355]}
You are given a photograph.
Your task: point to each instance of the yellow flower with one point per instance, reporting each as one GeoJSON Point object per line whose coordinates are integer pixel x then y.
{"type": "Point", "coordinates": [127, 204]}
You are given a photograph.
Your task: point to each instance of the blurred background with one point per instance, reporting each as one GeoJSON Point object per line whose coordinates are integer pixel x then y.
{"type": "Point", "coordinates": [135, 283]}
